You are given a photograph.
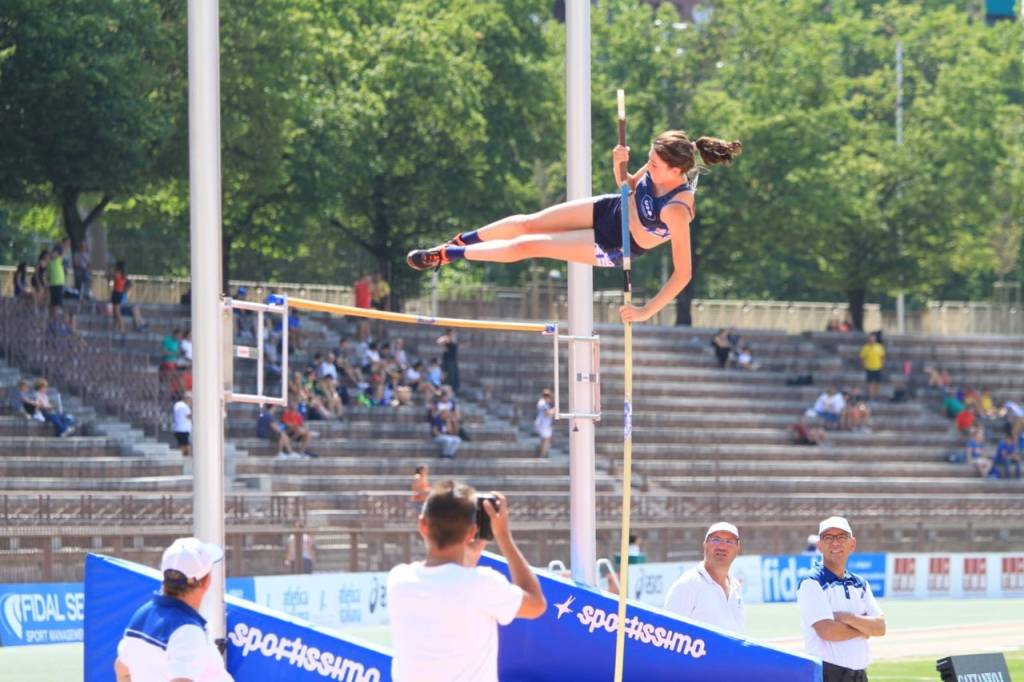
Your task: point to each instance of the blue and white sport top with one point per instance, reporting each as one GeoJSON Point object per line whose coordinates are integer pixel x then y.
{"type": "Point", "coordinates": [648, 205]}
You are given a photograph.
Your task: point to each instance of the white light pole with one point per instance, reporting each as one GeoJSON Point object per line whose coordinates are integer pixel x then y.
{"type": "Point", "coordinates": [205, 215]}
{"type": "Point", "coordinates": [581, 297]}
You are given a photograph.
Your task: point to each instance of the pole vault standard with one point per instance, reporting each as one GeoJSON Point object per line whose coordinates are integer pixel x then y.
{"type": "Point", "coordinates": [287, 303]}
{"type": "Point", "coordinates": [627, 412]}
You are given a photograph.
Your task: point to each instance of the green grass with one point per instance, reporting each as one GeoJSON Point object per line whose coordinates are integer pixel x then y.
{"type": "Point", "coordinates": [911, 671]}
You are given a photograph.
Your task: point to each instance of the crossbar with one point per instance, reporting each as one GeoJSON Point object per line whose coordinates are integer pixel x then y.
{"type": "Point", "coordinates": [537, 327]}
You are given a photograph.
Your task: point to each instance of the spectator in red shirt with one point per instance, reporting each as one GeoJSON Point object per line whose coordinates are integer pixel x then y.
{"type": "Point", "coordinates": [965, 420]}
{"type": "Point", "coordinates": [363, 290]}
{"type": "Point", "coordinates": [295, 426]}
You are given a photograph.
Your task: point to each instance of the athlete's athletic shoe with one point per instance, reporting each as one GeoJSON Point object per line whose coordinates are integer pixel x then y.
{"type": "Point", "coordinates": [425, 259]}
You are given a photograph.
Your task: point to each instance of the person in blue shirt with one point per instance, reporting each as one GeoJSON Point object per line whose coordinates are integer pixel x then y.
{"type": "Point", "coordinates": [166, 639]}
{"type": "Point", "coordinates": [975, 452]}
{"type": "Point", "coordinates": [589, 231]}
{"type": "Point", "coordinates": [1006, 456]}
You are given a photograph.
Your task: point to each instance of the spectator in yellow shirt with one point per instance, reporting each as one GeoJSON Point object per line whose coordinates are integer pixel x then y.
{"type": "Point", "coordinates": [381, 292]}
{"type": "Point", "coordinates": [872, 356]}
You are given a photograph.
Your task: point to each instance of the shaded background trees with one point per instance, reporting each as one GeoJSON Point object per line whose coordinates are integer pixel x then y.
{"type": "Point", "coordinates": [354, 130]}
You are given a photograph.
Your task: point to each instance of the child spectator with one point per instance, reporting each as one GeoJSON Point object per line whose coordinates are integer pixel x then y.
{"type": "Point", "coordinates": [434, 373]}
{"type": "Point", "coordinates": [857, 414]}
{"type": "Point", "coordinates": [117, 289]}
{"type": "Point", "coordinates": [24, 400]}
{"type": "Point", "coordinates": [965, 421]}
{"type": "Point", "coordinates": [806, 435]}
{"type": "Point", "coordinates": [62, 423]}
{"type": "Point", "coordinates": [745, 360]}
{"type": "Point", "coordinates": [542, 422]}
{"type": "Point", "coordinates": [829, 407]}
{"type": "Point", "coordinates": [974, 452]}
{"type": "Point", "coordinates": [295, 427]}
{"type": "Point", "coordinates": [132, 310]}
{"type": "Point", "coordinates": [183, 424]}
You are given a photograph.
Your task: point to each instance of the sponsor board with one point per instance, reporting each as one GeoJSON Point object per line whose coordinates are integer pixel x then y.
{"type": "Point", "coordinates": [781, 575]}
{"type": "Point", "coordinates": [334, 600]}
{"type": "Point", "coordinates": [41, 613]}
{"type": "Point", "coordinates": [955, 575]}
{"type": "Point", "coordinates": [575, 639]}
{"type": "Point", "coordinates": [262, 645]}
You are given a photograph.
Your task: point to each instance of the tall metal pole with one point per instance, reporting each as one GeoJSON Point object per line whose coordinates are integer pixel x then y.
{"type": "Point", "coordinates": [205, 195]}
{"type": "Point", "coordinates": [583, 541]}
{"type": "Point", "coordinates": [901, 315]}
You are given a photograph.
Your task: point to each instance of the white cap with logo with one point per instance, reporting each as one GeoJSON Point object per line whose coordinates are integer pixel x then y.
{"type": "Point", "coordinates": [837, 522]}
{"type": "Point", "coordinates": [191, 557]}
{"type": "Point", "coordinates": [722, 526]}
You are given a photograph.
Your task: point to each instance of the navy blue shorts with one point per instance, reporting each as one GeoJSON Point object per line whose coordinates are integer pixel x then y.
{"type": "Point", "coordinates": [608, 225]}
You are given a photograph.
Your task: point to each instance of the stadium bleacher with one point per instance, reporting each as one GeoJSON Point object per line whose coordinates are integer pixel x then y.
{"type": "Point", "coordinates": [708, 444]}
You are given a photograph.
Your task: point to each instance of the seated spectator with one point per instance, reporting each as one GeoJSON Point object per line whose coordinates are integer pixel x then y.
{"type": "Point", "coordinates": [63, 424]}
{"type": "Point", "coordinates": [829, 407]}
{"type": "Point", "coordinates": [965, 421]}
{"type": "Point", "coordinates": [986, 404]}
{"type": "Point", "coordinates": [1014, 414]}
{"type": "Point", "coordinates": [807, 435]}
{"type": "Point", "coordinates": [951, 405]}
{"type": "Point", "coordinates": [132, 310]}
{"type": "Point", "coordinates": [857, 414]}
{"type": "Point", "coordinates": [745, 360]}
{"type": "Point", "coordinates": [399, 354]}
{"type": "Point", "coordinates": [434, 373]}
{"type": "Point", "coordinates": [295, 428]}
{"type": "Point", "coordinates": [23, 401]}
{"type": "Point", "coordinates": [974, 452]}
{"type": "Point", "coordinates": [443, 430]}
{"type": "Point", "coordinates": [1005, 457]}
{"type": "Point", "coordinates": [268, 425]}
{"type": "Point", "coordinates": [832, 325]}
{"type": "Point", "coordinates": [40, 290]}
{"type": "Point", "coordinates": [722, 347]}
{"type": "Point", "coordinates": [445, 401]}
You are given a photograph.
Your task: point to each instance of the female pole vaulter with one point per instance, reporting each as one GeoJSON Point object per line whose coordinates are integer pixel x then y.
{"type": "Point", "coordinates": [588, 230]}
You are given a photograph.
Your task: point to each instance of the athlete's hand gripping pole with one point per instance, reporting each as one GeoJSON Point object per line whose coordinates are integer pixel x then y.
{"type": "Point", "coordinates": [627, 428]}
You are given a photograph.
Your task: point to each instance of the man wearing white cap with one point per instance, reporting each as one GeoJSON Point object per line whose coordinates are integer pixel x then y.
{"type": "Point", "coordinates": [838, 612]}
{"type": "Point", "coordinates": [166, 639]}
{"type": "Point", "coordinates": [707, 593]}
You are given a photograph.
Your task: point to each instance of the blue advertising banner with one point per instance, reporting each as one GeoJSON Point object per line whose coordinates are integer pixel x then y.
{"type": "Point", "coordinates": [575, 639]}
{"type": "Point", "coordinates": [781, 575]}
{"type": "Point", "coordinates": [41, 613]}
{"type": "Point", "coordinates": [243, 588]}
{"type": "Point", "coordinates": [262, 645]}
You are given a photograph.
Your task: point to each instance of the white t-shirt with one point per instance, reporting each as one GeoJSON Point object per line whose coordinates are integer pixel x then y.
{"type": "Point", "coordinates": [186, 349]}
{"type": "Point", "coordinates": [821, 595]}
{"type": "Point", "coordinates": [327, 369]}
{"type": "Point", "coordinates": [696, 595]}
{"type": "Point", "coordinates": [182, 417]}
{"type": "Point", "coordinates": [837, 404]}
{"type": "Point", "coordinates": [189, 655]}
{"type": "Point", "coordinates": [444, 621]}
{"type": "Point", "coordinates": [542, 422]}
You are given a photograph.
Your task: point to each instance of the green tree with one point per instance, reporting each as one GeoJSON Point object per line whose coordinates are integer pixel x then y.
{"type": "Point", "coordinates": [85, 109]}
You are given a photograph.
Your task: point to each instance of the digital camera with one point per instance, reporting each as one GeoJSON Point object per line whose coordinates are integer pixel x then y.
{"type": "Point", "coordinates": [483, 521]}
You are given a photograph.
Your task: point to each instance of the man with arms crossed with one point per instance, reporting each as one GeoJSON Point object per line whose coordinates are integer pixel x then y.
{"type": "Point", "coordinates": [838, 612]}
{"type": "Point", "coordinates": [445, 610]}
{"type": "Point", "coordinates": [707, 593]}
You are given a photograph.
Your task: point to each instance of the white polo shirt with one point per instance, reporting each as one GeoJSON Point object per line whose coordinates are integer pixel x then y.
{"type": "Point", "coordinates": [696, 595]}
{"type": "Point", "coordinates": [821, 595]}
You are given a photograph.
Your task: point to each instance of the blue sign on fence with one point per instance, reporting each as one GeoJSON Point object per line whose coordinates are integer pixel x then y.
{"type": "Point", "coordinates": [781, 575]}
{"type": "Point", "coordinates": [41, 613]}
